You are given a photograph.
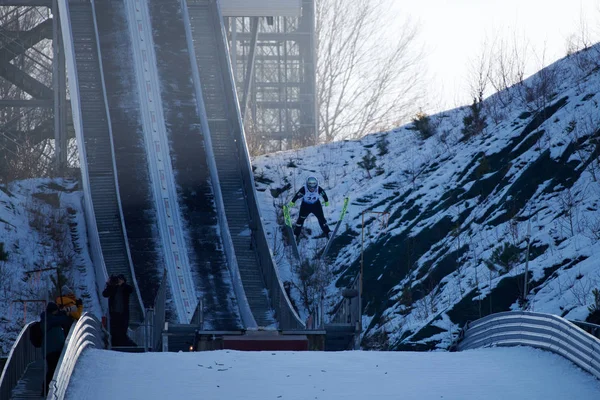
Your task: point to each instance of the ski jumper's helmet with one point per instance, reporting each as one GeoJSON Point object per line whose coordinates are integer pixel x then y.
{"type": "Point", "coordinates": [312, 183]}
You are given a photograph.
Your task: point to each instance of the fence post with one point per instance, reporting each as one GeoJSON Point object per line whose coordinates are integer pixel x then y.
{"type": "Point", "coordinates": [165, 338]}
{"type": "Point", "coordinates": [148, 328]}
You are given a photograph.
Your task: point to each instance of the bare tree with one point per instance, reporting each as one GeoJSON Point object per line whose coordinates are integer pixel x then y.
{"type": "Point", "coordinates": [540, 88]}
{"type": "Point", "coordinates": [581, 39]}
{"type": "Point", "coordinates": [365, 82]}
{"type": "Point", "coordinates": [479, 72]}
{"type": "Point", "coordinates": [507, 67]}
{"type": "Point", "coordinates": [256, 144]}
{"type": "Point", "coordinates": [580, 45]}
{"type": "Point", "coordinates": [28, 160]}
{"type": "Point", "coordinates": [499, 65]}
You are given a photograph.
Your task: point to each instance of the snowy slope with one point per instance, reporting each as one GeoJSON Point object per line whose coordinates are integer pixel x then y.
{"type": "Point", "coordinates": [41, 226]}
{"type": "Point", "coordinates": [460, 209]}
{"type": "Point", "coordinates": [498, 373]}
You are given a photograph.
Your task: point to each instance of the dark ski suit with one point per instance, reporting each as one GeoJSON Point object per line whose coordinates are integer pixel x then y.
{"type": "Point", "coordinates": [311, 205]}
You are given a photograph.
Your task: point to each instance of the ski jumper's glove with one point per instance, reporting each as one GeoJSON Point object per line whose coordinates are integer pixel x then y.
{"type": "Point", "coordinates": [292, 204]}
{"type": "Point", "coordinates": [326, 204]}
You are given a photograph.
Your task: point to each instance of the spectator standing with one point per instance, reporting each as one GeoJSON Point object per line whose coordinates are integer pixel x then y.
{"type": "Point", "coordinates": [118, 291]}
{"type": "Point", "coordinates": [55, 325]}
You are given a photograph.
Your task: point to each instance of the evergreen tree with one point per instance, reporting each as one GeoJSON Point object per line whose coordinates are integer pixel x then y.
{"type": "Point", "coordinates": [422, 124]}
{"type": "Point", "coordinates": [382, 145]}
{"type": "Point", "coordinates": [368, 163]}
{"type": "Point", "coordinates": [474, 123]}
{"type": "Point", "coordinates": [3, 253]}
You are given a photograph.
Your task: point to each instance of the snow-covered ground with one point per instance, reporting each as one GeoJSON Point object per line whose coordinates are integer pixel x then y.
{"type": "Point", "coordinates": [460, 210]}
{"type": "Point", "coordinates": [41, 226]}
{"type": "Point", "coordinates": [484, 374]}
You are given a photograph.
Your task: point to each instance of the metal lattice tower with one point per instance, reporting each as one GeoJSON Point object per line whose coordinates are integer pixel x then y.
{"type": "Point", "coordinates": [33, 106]}
{"type": "Point", "coordinates": [281, 84]}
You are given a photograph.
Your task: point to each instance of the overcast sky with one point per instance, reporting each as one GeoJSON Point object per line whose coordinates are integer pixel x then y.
{"type": "Point", "coordinates": [453, 32]}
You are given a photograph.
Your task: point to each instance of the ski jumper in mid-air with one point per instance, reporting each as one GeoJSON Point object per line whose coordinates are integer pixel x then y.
{"type": "Point", "coordinates": [311, 204]}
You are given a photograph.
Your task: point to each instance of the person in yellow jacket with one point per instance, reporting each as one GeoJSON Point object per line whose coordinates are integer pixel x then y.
{"type": "Point", "coordinates": [69, 303]}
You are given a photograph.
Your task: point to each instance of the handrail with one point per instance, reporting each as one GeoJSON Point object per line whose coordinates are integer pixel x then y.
{"type": "Point", "coordinates": [159, 312]}
{"type": "Point", "coordinates": [22, 353]}
{"type": "Point", "coordinates": [86, 333]}
{"type": "Point", "coordinates": [287, 316]}
{"type": "Point", "coordinates": [238, 287]}
{"type": "Point", "coordinates": [149, 333]}
{"type": "Point", "coordinates": [543, 331]}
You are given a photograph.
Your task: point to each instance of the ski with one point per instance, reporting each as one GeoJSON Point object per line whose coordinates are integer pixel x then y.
{"type": "Point", "coordinates": [288, 223]}
{"type": "Point", "coordinates": [337, 226]}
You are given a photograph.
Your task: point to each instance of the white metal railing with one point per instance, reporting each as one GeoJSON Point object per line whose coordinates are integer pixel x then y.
{"type": "Point", "coordinates": [20, 356]}
{"type": "Point", "coordinates": [544, 331]}
{"type": "Point", "coordinates": [86, 333]}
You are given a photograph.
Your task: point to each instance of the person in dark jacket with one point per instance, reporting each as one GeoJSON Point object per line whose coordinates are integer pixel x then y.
{"type": "Point", "coordinates": [118, 291]}
{"type": "Point", "coordinates": [311, 204]}
{"type": "Point", "coordinates": [55, 325]}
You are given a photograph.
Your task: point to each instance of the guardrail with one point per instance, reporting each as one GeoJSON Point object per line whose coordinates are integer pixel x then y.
{"type": "Point", "coordinates": [21, 355]}
{"type": "Point", "coordinates": [592, 329]}
{"type": "Point", "coordinates": [87, 332]}
{"type": "Point", "coordinates": [543, 331]}
{"type": "Point", "coordinates": [149, 333]}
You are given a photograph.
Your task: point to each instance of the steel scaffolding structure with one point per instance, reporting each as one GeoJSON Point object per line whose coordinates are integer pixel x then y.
{"type": "Point", "coordinates": [280, 86]}
{"type": "Point", "coordinates": [274, 63]}
{"type": "Point", "coordinates": [33, 108]}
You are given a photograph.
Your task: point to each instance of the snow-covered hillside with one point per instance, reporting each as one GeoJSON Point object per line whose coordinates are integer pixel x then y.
{"type": "Point", "coordinates": [41, 226]}
{"type": "Point", "coordinates": [460, 211]}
